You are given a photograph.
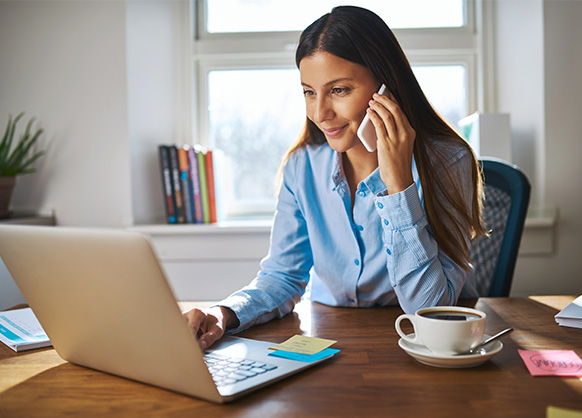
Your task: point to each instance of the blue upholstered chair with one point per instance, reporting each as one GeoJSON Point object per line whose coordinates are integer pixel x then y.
{"type": "Point", "coordinates": [507, 192]}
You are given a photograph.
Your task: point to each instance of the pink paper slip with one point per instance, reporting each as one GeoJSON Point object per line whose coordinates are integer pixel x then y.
{"type": "Point", "coordinates": [552, 362]}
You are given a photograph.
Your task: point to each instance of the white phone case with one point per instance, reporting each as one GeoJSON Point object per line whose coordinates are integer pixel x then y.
{"type": "Point", "coordinates": [366, 131]}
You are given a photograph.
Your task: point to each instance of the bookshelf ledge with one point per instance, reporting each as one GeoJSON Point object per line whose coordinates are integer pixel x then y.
{"type": "Point", "coordinates": [224, 227]}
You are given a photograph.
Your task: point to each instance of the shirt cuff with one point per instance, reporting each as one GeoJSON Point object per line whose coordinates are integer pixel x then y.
{"type": "Point", "coordinates": [237, 304]}
{"type": "Point", "coordinates": [400, 210]}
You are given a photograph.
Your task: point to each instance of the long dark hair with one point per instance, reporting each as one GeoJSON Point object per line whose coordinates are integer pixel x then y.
{"type": "Point", "coordinates": [360, 36]}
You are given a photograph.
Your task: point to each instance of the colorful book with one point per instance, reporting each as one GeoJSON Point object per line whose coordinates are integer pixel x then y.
{"type": "Point", "coordinates": [169, 203]}
{"type": "Point", "coordinates": [211, 186]}
{"type": "Point", "coordinates": [222, 188]}
{"type": "Point", "coordinates": [195, 186]}
{"type": "Point", "coordinates": [201, 155]}
{"type": "Point", "coordinates": [176, 184]}
{"type": "Point", "coordinates": [20, 330]}
{"type": "Point", "coordinates": [184, 166]}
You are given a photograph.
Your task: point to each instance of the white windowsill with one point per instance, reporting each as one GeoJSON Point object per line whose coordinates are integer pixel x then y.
{"type": "Point", "coordinates": [537, 239]}
{"type": "Point", "coordinates": [226, 227]}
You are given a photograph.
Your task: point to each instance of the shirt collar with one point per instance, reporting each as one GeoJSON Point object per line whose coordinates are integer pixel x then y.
{"type": "Point", "coordinates": [337, 171]}
{"type": "Point", "coordinates": [373, 182]}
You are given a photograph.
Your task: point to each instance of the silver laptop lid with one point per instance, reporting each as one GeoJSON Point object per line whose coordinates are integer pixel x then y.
{"type": "Point", "coordinates": [78, 298]}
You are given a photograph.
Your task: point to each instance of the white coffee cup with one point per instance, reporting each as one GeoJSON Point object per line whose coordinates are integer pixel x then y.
{"type": "Point", "coordinates": [445, 330]}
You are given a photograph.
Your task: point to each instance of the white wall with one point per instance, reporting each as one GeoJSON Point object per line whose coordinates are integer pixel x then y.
{"type": "Point", "coordinates": [518, 84]}
{"type": "Point", "coordinates": [64, 62]}
{"type": "Point", "coordinates": [159, 94]}
{"type": "Point", "coordinates": [539, 62]}
{"type": "Point", "coordinates": [108, 81]}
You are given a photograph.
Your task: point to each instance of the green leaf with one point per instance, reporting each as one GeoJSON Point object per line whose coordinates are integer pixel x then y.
{"type": "Point", "coordinates": [16, 160]}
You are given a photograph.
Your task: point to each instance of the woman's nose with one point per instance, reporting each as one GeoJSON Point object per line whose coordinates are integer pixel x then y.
{"type": "Point", "coordinates": [322, 110]}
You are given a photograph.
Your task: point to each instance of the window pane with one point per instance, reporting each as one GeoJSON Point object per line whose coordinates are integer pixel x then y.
{"type": "Point", "coordinates": [445, 88]}
{"type": "Point", "coordinates": [224, 16]}
{"type": "Point", "coordinates": [254, 116]}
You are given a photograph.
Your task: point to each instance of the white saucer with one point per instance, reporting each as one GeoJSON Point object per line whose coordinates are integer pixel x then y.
{"type": "Point", "coordinates": [425, 356]}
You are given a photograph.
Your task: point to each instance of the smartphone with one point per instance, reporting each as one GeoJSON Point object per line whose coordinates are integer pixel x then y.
{"type": "Point", "coordinates": [366, 131]}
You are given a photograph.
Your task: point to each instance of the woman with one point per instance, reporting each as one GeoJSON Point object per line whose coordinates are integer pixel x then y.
{"type": "Point", "coordinates": [391, 226]}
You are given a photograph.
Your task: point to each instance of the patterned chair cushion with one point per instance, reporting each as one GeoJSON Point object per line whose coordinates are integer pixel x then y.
{"type": "Point", "coordinates": [485, 251]}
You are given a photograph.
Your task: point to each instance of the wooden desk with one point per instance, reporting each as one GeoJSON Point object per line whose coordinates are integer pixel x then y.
{"type": "Point", "coordinates": [371, 376]}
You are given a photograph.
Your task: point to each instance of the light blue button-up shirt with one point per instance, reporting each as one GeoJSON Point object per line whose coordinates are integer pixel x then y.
{"type": "Point", "coordinates": [380, 253]}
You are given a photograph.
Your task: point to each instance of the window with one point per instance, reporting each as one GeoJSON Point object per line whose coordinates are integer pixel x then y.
{"type": "Point", "coordinates": [224, 16]}
{"type": "Point", "coordinates": [249, 101]}
{"type": "Point", "coordinates": [254, 127]}
{"type": "Point", "coordinates": [445, 87]}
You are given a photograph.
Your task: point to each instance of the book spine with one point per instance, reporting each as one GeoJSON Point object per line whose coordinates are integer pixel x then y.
{"type": "Point", "coordinates": [185, 183]}
{"type": "Point", "coordinates": [169, 204]}
{"type": "Point", "coordinates": [200, 154]}
{"type": "Point", "coordinates": [195, 185]}
{"type": "Point", "coordinates": [211, 188]}
{"type": "Point", "coordinates": [221, 187]}
{"type": "Point", "coordinates": [175, 170]}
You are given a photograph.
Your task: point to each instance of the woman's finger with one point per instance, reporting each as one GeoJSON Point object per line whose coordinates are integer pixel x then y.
{"type": "Point", "coordinates": [194, 318]}
{"type": "Point", "coordinates": [385, 122]}
{"type": "Point", "coordinates": [213, 334]}
{"type": "Point", "coordinates": [378, 123]}
{"type": "Point", "coordinates": [400, 120]}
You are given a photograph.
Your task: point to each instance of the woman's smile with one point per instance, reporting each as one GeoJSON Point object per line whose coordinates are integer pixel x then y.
{"type": "Point", "coordinates": [334, 132]}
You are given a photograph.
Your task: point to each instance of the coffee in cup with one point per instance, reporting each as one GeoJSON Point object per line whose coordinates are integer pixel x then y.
{"type": "Point", "coordinates": [445, 330]}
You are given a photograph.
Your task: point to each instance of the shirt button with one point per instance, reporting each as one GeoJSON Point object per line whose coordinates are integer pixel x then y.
{"type": "Point", "coordinates": [362, 193]}
{"type": "Point", "coordinates": [380, 205]}
{"type": "Point", "coordinates": [360, 228]}
{"type": "Point", "coordinates": [357, 262]}
{"type": "Point", "coordinates": [388, 251]}
{"type": "Point", "coordinates": [386, 222]}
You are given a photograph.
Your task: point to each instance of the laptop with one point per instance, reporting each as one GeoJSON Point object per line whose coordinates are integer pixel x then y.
{"type": "Point", "coordinates": [104, 302]}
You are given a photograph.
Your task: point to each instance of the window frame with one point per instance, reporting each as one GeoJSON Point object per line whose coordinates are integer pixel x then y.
{"type": "Point", "coordinates": [276, 50]}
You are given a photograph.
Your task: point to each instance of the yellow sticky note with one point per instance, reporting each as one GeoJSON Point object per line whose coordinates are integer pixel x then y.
{"type": "Point", "coordinates": [554, 412]}
{"type": "Point", "coordinates": [303, 344]}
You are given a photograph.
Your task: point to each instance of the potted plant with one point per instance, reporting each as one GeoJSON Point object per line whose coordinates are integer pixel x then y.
{"type": "Point", "coordinates": [16, 158]}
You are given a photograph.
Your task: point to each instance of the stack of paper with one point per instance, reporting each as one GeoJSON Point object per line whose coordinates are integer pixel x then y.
{"type": "Point", "coordinates": [20, 330]}
{"type": "Point", "coordinates": [571, 315]}
{"type": "Point", "coordinates": [303, 348]}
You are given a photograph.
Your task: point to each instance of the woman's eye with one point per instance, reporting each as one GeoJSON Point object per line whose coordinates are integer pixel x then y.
{"type": "Point", "coordinates": [308, 92]}
{"type": "Point", "coordinates": [340, 90]}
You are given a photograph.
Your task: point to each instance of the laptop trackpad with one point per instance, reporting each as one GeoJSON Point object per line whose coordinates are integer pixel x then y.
{"type": "Point", "coordinates": [237, 346]}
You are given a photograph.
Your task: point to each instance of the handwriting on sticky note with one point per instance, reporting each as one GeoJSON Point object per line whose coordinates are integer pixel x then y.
{"type": "Point", "coordinates": [303, 345]}
{"type": "Point", "coordinates": [552, 362]}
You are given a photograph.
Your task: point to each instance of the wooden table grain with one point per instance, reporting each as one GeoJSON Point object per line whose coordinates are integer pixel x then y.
{"type": "Point", "coordinates": [371, 376]}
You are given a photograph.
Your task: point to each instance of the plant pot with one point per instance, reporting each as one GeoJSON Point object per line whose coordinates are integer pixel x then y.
{"type": "Point", "coordinates": [6, 186]}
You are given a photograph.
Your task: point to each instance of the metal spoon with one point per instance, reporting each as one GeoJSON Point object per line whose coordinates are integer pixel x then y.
{"type": "Point", "coordinates": [478, 349]}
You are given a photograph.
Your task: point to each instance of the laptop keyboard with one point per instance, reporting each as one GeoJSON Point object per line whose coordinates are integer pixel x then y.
{"type": "Point", "coordinates": [229, 370]}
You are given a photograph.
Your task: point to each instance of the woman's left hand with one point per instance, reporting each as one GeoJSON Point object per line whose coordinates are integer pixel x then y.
{"type": "Point", "coordinates": [395, 142]}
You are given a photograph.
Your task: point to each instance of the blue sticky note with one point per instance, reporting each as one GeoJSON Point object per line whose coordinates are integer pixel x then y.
{"type": "Point", "coordinates": [308, 358]}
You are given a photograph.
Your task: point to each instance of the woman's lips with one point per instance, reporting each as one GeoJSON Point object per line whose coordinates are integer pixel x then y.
{"type": "Point", "coordinates": [332, 132]}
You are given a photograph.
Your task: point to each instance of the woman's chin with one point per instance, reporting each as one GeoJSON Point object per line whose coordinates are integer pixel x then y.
{"type": "Point", "coordinates": [343, 145]}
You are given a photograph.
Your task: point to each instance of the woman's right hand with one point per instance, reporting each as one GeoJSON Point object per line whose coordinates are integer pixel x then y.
{"type": "Point", "coordinates": [395, 142]}
{"type": "Point", "coordinates": [209, 325]}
